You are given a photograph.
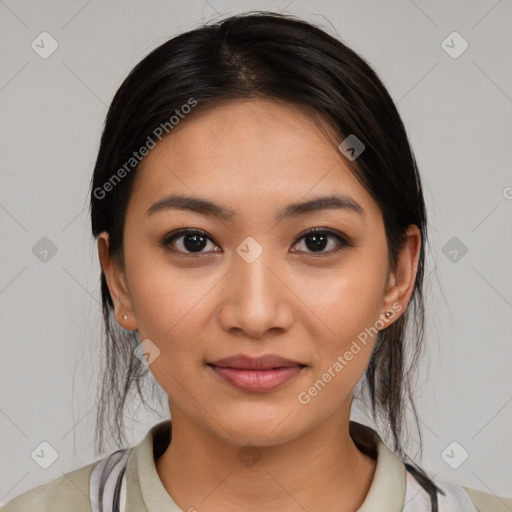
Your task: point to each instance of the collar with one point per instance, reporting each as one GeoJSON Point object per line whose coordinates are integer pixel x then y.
{"type": "Point", "coordinates": [145, 491]}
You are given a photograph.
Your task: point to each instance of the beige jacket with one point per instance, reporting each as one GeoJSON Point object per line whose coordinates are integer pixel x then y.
{"type": "Point", "coordinates": [393, 488]}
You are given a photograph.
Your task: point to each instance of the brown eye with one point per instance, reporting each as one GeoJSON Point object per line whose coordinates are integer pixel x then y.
{"type": "Point", "coordinates": [317, 240]}
{"type": "Point", "coordinates": [187, 241]}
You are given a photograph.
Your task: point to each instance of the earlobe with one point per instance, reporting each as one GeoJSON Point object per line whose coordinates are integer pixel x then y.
{"type": "Point", "coordinates": [116, 282]}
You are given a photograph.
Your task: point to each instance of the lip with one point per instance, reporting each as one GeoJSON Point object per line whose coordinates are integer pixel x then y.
{"type": "Point", "coordinates": [263, 373]}
{"type": "Point", "coordinates": [244, 362]}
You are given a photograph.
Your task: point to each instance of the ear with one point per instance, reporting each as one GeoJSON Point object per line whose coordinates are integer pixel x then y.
{"type": "Point", "coordinates": [401, 282]}
{"type": "Point", "coordinates": [117, 285]}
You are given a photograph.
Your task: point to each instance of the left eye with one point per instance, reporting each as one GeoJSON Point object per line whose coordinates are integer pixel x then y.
{"type": "Point", "coordinates": [317, 239]}
{"type": "Point", "coordinates": [195, 241]}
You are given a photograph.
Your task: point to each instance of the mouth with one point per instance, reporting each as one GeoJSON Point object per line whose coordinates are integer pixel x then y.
{"type": "Point", "coordinates": [265, 373]}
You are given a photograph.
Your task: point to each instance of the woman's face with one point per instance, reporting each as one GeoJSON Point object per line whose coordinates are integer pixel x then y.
{"type": "Point", "coordinates": [255, 285]}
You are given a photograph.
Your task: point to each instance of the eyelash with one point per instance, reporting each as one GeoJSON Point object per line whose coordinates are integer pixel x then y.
{"type": "Point", "coordinates": [344, 241]}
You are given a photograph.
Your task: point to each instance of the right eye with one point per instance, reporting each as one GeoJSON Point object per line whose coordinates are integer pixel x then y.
{"type": "Point", "coordinates": [187, 241]}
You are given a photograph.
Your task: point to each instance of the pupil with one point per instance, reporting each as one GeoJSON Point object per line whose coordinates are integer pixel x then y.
{"type": "Point", "coordinates": [194, 242]}
{"type": "Point", "coordinates": [319, 242]}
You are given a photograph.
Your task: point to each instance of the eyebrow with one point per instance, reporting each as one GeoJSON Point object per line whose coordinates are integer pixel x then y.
{"type": "Point", "coordinates": [207, 207]}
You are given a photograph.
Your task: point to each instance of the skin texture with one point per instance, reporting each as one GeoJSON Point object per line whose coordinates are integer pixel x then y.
{"type": "Point", "coordinates": [256, 156]}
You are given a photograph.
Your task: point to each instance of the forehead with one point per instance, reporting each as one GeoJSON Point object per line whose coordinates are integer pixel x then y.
{"type": "Point", "coordinates": [249, 154]}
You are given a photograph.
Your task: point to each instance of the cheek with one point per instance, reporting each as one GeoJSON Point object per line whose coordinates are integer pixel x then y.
{"type": "Point", "coordinates": [348, 309]}
{"type": "Point", "coordinates": [345, 311]}
{"type": "Point", "coordinates": [166, 299]}
{"type": "Point", "coordinates": [344, 301]}
{"type": "Point", "coordinates": [167, 305]}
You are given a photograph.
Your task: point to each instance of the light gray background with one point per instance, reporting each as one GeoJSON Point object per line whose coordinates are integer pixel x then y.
{"type": "Point", "coordinates": [458, 115]}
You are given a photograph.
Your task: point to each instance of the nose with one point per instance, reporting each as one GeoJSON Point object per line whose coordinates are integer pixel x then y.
{"type": "Point", "coordinates": [256, 298]}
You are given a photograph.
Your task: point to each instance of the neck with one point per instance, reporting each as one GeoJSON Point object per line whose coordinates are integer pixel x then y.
{"type": "Point", "coordinates": [322, 469]}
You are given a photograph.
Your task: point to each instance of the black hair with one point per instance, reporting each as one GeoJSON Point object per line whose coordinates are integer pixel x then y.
{"type": "Point", "coordinates": [280, 57]}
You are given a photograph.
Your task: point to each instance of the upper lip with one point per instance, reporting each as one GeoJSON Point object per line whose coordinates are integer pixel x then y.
{"type": "Point", "coordinates": [243, 362]}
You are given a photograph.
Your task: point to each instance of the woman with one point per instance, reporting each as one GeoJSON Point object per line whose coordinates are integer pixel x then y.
{"type": "Point", "coordinates": [261, 230]}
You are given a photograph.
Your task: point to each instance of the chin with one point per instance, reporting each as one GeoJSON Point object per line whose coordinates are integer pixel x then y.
{"type": "Point", "coordinates": [258, 431]}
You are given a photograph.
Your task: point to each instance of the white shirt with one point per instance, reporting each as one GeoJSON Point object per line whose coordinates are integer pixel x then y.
{"type": "Point", "coordinates": [127, 480]}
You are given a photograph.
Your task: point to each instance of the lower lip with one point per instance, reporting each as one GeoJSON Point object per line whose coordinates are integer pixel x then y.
{"type": "Point", "coordinates": [257, 380]}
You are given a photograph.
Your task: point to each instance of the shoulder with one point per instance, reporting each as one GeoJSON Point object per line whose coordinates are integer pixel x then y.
{"type": "Point", "coordinates": [68, 492]}
{"type": "Point", "coordinates": [485, 502]}
{"type": "Point", "coordinates": [452, 497]}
